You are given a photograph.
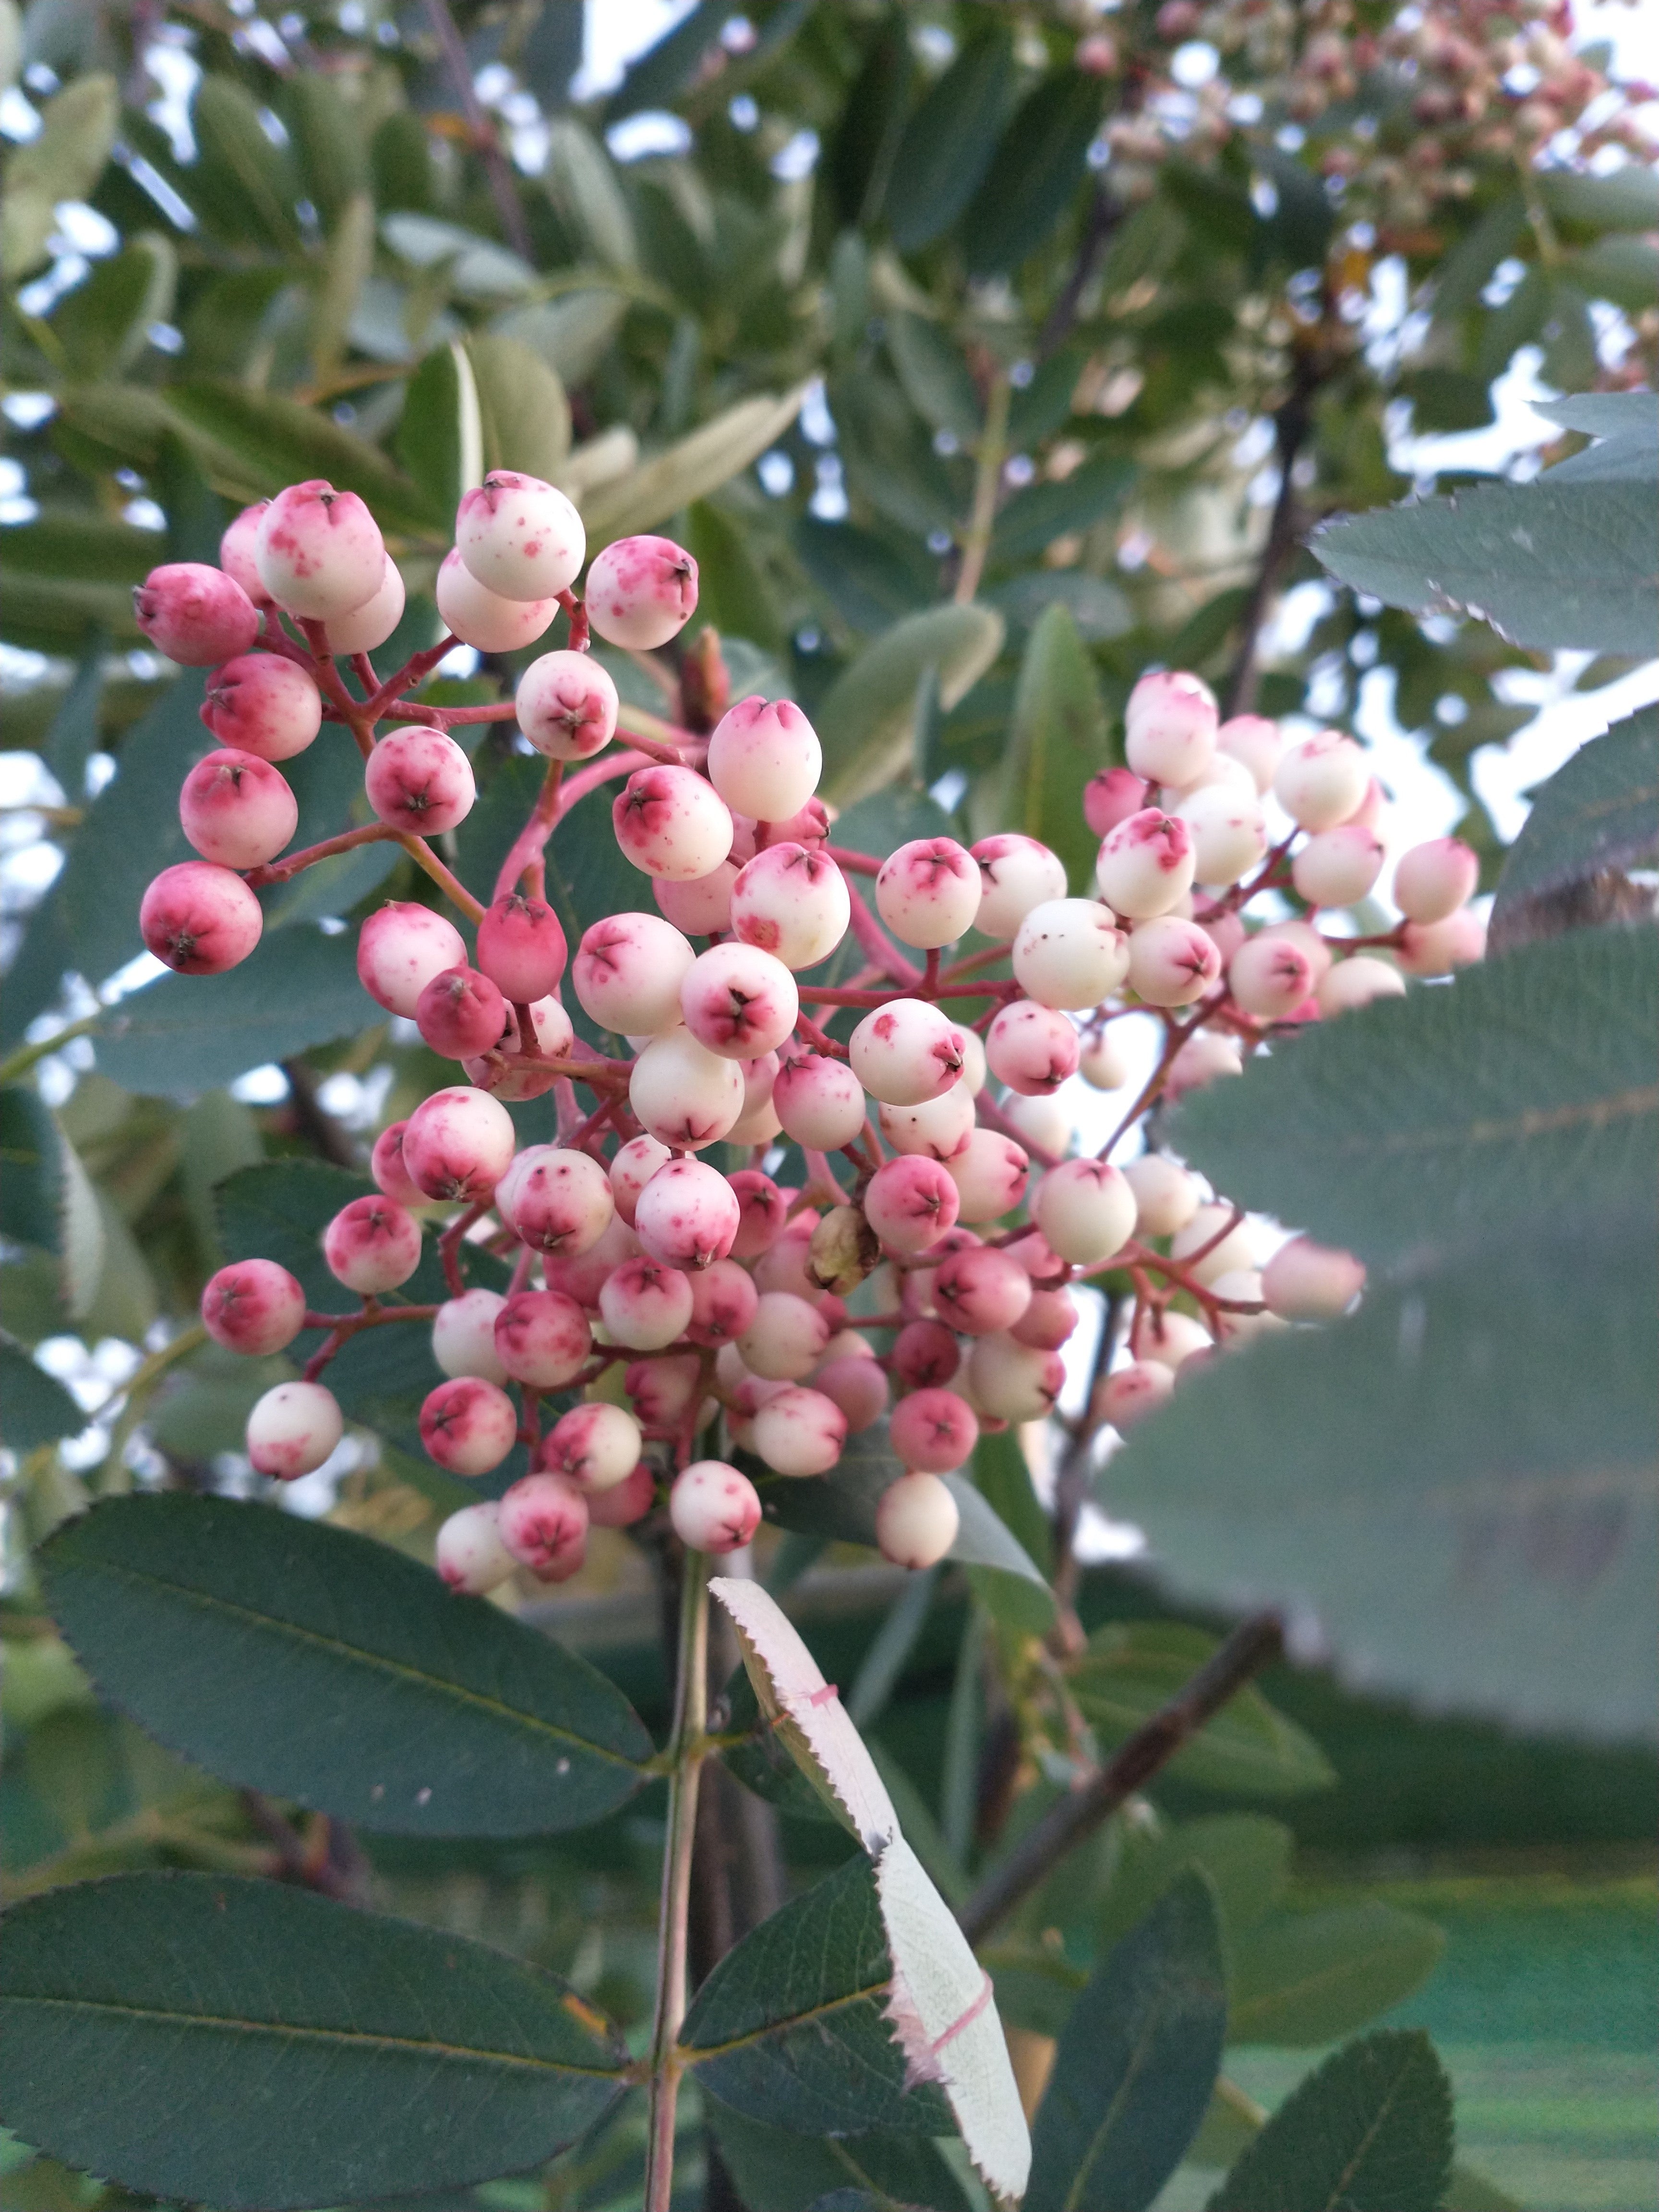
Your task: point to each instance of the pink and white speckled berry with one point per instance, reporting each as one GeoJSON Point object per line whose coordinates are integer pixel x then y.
{"type": "Point", "coordinates": [254, 1307]}
{"type": "Point", "coordinates": [687, 1215]}
{"type": "Point", "coordinates": [1070, 952]}
{"type": "Point", "coordinates": [543, 1339]}
{"type": "Point", "coordinates": [702, 906]}
{"type": "Point", "coordinates": [263, 704]}
{"type": "Point", "coordinates": [629, 1501]}
{"type": "Point", "coordinates": [669, 821]}
{"type": "Point", "coordinates": [469, 1553]}
{"type": "Point", "coordinates": [764, 759]}
{"type": "Point", "coordinates": [371, 1245]}
{"type": "Point", "coordinates": [236, 553]}
{"type": "Point", "coordinates": [819, 1101]}
{"type": "Point", "coordinates": [660, 1390]}
{"type": "Point", "coordinates": [1228, 829]}
{"type": "Point", "coordinates": [765, 1210]}
{"type": "Point", "coordinates": [583, 1277]}
{"type": "Point", "coordinates": [1337, 868]}
{"type": "Point", "coordinates": [1255, 743]}
{"type": "Point", "coordinates": [785, 1265]}
{"type": "Point", "coordinates": [521, 947]}
{"type": "Point", "coordinates": [990, 1173]}
{"type": "Point", "coordinates": [519, 536]}
{"type": "Point", "coordinates": [940, 1127]}
{"type": "Point", "coordinates": [905, 1052]}
{"type": "Point", "coordinates": [555, 1199]}
{"type": "Point", "coordinates": [1031, 1049]}
{"type": "Point", "coordinates": [917, 1521]}
{"type": "Point", "coordinates": [1305, 1281]}
{"type": "Point", "coordinates": [933, 1431]}
{"type": "Point", "coordinates": [785, 1338]}
{"type": "Point", "coordinates": [293, 1428]}
{"type": "Point", "coordinates": [1110, 796]}
{"type": "Point", "coordinates": [420, 780]}
{"type": "Point", "coordinates": [738, 1001]}
{"type": "Point", "coordinates": [636, 1163]}
{"type": "Point", "coordinates": [371, 624]}
{"type": "Point", "coordinates": [928, 892]}
{"type": "Point", "coordinates": [642, 591]}
{"type": "Point", "coordinates": [791, 901]}
{"type": "Point", "coordinates": [1356, 982]}
{"type": "Point", "coordinates": [1436, 948]}
{"type": "Point", "coordinates": [237, 809]}
{"type": "Point", "coordinates": [1044, 1124]}
{"type": "Point", "coordinates": [1432, 880]}
{"type": "Point", "coordinates": [855, 1382]}
{"type": "Point", "coordinates": [319, 552]}
{"type": "Point", "coordinates": [463, 1336]}
{"type": "Point", "coordinates": [199, 919]}
{"type": "Point", "coordinates": [1306, 938]}
{"type": "Point", "coordinates": [400, 948]}
{"type": "Point", "coordinates": [799, 1431]}
{"type": "Point", "coordinates": [390, 1170]}
{"type": "Point", "coordinates": [1146, 864]}
{"type": "Point", "coordinates": [910, 1202]}
{"type": "Point", "coordinates": [1172, 961]}
{"type": "Point", "coordinates": [646, 1304]}
{"type": "Point", "coordinates": [459, 1144]}
{"type": "Point", "coordinates": [1049, 1322]}
{"type": "Point", "coordinates": [595, 1446]}
{"type": "Point", "coordinates": [1014, 1381]}
{"type": "Point", "coordinates": [682, 1094]}
{"type": "Point", "coordinates": [543, 1519]}
{"type": "Point", "coordinates": [461, 1013]}
{"type": "Point", "coordinates": [482, 618]}
{"type": "Point", "coordinates": [1133, 1392]}
{"type": "Point", "coordinates": [1086, 1211]}
{"type": "Point", "coordinates": [468, 1425]}
{"type": "Point", "coordinates": [979, 1291]}
{"type": "Point", "coordinates": [1170, 727]}
{"type": "Point", "coordinates": [714, 1508]}
{"type": "Point", "coordinates": [628, 972]}
{"type": "Point", "coordinates": [567, 706]}
{"type": "Point", "coordinates": [1322, 781]}
{"type": "Point", "coordinates": [724, 1301]}
{"type": "Point", "coordinates": [196, 615]}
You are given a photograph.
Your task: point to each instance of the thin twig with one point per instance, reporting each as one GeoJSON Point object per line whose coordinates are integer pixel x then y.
{"type": "Point", "coordinates": [486, 144]}
{"type": "Point", "coordinates": [1291, 427]}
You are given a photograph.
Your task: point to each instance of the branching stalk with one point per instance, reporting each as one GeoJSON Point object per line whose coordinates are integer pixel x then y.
{"type": "Point", "coordinates": [688, 1747]}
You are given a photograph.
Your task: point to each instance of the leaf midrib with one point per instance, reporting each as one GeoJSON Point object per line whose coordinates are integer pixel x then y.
{"type": "Point", "coordinates": [698, 2054]}
{"type": "Point", "coordinates": [1304, 1986]}
{"type": "Point", "coordinates": [1338, 2195]}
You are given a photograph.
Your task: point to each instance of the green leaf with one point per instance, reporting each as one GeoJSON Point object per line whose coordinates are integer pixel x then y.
{"type": "Point", "coordinates": [948, 142]}
{"type": "Point", "coordinates": [790, 2026]}
{"type": "Point", "coordinates": [471, 265]}
{"type": "Point", "coordinates": [1004, 1479]}
{"type": "Point", "coordinates": [320, 1666]}
{"type": "Point", "coordinates": [1525, 1088]}
{"type": "Point", "coordinates": [583, 186]}
{"type": "Point", "coordinates": [63, 161]}
{"type": "Point", "coordinates": [102, 324]}
{"type": "Point", "coordinates": [1034, 518]}
{"type": "Point", "coordinates": [182, 1035]}
{"type": "Point", "coordinates": [278, 1210]}
{"type": "Point", "coordinates": [253, 443]}
{"type": "Point", "coordinates": [934, 376]}
{"type": "Point", "coordinates": [1623, 269]}
{"type": "Point", "coordinates": [47, 1199]}
{"type": "Point", "coordinates": [664, 69]}
{"type": "Point", "coordinates": [690, 469]}
{"type": "Point", "coordinates": [1371, 2131]}
{"type": "Point", "coordinates": [1457, 1483]}
{"type": "Point", "coordinates": [878, 825]}
{"type": "Point", "coordinates": [324, 2055]}
{"type": "Point", "coordinates": [1308, 1977]}
{"type": "Point", "coordinates": [244, 187]}
{"type": "Point", "coordinates": [330, 143]}
{"type": "Point", "coordinates": [65, 573]}
{"type": "Point", "coordinates": [1099, 609]}
{"type": "Point", "coordinates": [525, 415]}
{"type": "Point", "coordinates": [439, 437]}
{"type": "Point", "coordinates": [1627, 199]}
{"type": "Point", "coordinates": [1059, 741]}
{"type": "Point", "coordinates": [35, 1409]}
{"type": "Point", "coordinates": [777, 2170]}
{"type": "Point", "coordinates": [866, 720]}
{"type": "Point", "coordinates": [1246, 1856]}
{"type": "Point", "coordinates": [1626, 426]}
{"type": "Point", "coordinates": [731, 593]}
{"type": "Point", "coordinates": [1132, 1667]}
{"type": "Point", "coordinates": [1601, 811]}
{"type": "Point", "coordinates": [1136, 2063]}
{"type": "Point", "coordinates": [1033, 172]}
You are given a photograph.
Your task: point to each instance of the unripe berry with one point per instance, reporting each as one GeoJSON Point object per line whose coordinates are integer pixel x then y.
{"type": "Point", "coordinates": [917, 1521]}
{"type": "Point", "coordinates": [485, 619]}
{"type": "Point", "coordinates": [584, 1277]}
{"type": "Point", "coordinates": [741, 1003]}
{"type": "Point", "coordinates": [990, 1173]}
{"type": "Point", "coordinates": [319, 552]}
{"type": "Point", "coordinates": [519, 536]}
{"type": "Point", "coordinates": [1170, 727]}
{"type": "Point", "coordinates": [1049, 1322]}
{"type": "Point", "coordinates": [1031, 1049]}
{"type": "Point", "coordinates": [628, 972]}
{"type": "Point", "coordinates": [1014, 1381]}
{"type": "Point", "coordinates": [459, 1144]}
{"type": "Point", "coordinates": [419, 780]}
{"type": "Point", "coordinates": [1172, 961]}
{"type": "Point", "coordinates": [660, 1391]}
{"type": "Point", "coordinates": [236, 554]}
{"type": "Point", "coordinates": [1102, 1062]}
{"type": "Point", "coordinates": [264, 705]}
{"type": "Point", "coordinates": [1110, 796]}
{"type": "Point", "coordinates": [714, 1508]}
{"type": "Point", "coordinates": [372, 623]}
{"type": "Point", "coordinates": [469, 1554]}
{"type": "Point", "coordinates": [1224, 773]}
{"type": "Point", "coordinates": [199, 919]}
{"type": "Point", "coordinates": [938, 1128]}
{"type": "Point", "coordinates": [793, 902]}
{"type": "Point", "coordinates": [1207, 1055]}
{"type": "Point", "coordinates": [460, 1014]}
{"type": "Point", "coordinates": [855, 1382]}
{"type": "Point", "coordinates": [390, 1170]}
{"type": "Point", "coordinates": [1070, 953]}
{"type": "Point", "coordinates": [765, 1209]}
{"type": "Point", "coordinates": [928, 892]}
{"type": "Point", "coordinates": [1228, 829]}
{"type": "Point", "coordinates": [1086, 1210]}
{"type": "Point", "coordinates": [463, 1336]}
{"type": "Point", "coordinates": [682, 1094]}
{"type": "Point", "coordinates": [1321, 781]}
{"type": "Point", "coordinates": [979, 1291]}
{"type": "Point", "coordinates": [636, 1163]}
{"type": "Point", "coordinates": [293, 1428]}
{"type": "Point", "coordinates": [934, 1430]}
{"type": "Point", "coordinates": [468, 1425]}
{"type": "Point", "coordinates": [724, 1303]}
{"type": "Point", "coordinates": [1269, 976]}
{"type": "Point", "coordinates": [400, 948]}
{"type": "Point", "coordinates": [543, 1519]}
{"type": "Point", "coordinates": [543, 1339]}
{"type": "Point", "coordinates": [1239, 1248]}
{"type": "Point", "coordinates": [521, 947]}
{"type": "Point", "coordinates": [799, 1431]}
{"type": "Point", "coordinates": [1047, 1270]}
{"type": "Point", "coordinates": [555, 1199]}
{"type": "Point", "coordinates": [1147, 864]}
{"type": "Point", "coordinates": [819, 1101]}
{"type": "Point", "coordinates": [669, 823]}
{"type": "Point", "coordinates": [195, 615]}
{"type": "Point", "coordinates": [905, 1052]}
{"type": "Point", "coordinates": [688, 1214]}
{"type": "Point", "coordinates": [764, 759]}
{"type": "Point", "coordinates": [1432, 880]}
{"type": "Point", "coordinates": [1254, 741]}
{"type": "Point", "coordinates": [642, 591]}
{"type": "Point", "coordinates": [371, 1245]}
{"type": "Point", "coordinates": [700, 907]}
{"type": "Point", "coordinates": [1133, 1392]}
{"type": "Point", "coordinates": [253, 1306]}
{"type": "Point", "coordinates": [1338, 866]}
{"type": "Point", "coordinates": [925, 1355]}
{"type": "Point", "coordinates": [1166, 1197]}
{"type": "Point", "coordinates": [1355, 981]}
{"type": "Point", "coordinates": [567, 706]}
{"type": "Point", "coordinates": [646, 1304]}
{"type": "Point", "coordinates": [1435, 948]}
{"type": "Point", "coordinates": [595, 1446]}
{"type": "Point", "coordinates": [1015, 874]}
{"type": "Point", "coordinates": [1305, 1281]}
{"type": "Point", "coordinates": [785, 1338]}
{"type": "Point", "coordinates": [1043, 1123]}
{"type": "Point", "coordinates": [630, 1500]}
{"type": "Point", "coordinates": [237, 809]}
{"type": "Point", "coordinates": [910, 1202]}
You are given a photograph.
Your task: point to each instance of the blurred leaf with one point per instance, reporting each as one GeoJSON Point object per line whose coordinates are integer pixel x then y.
{"type": "Point", "coordinates": [891, 817]}
{"type": "Point", "coordinates": [1000, 1473]}
{"type": "Point", "coordinates": [866, 720]}
{"type": "Point", "coordinates": [64, 573]}
{"type": "Point", "coordinates": [571, 334]}
{"type": "Point", "coordinates": [47, 1199]}
{"type": "Point", "coordinates": [1058, 740]}
{"type": "Point", "coordinates": [1000, 1569]}
{"type": "Point", "coordinates": [1245, 1856]}
{"type": "Point", "coordinates": [326, 2054]}
{"type": "Point", "coordinates": [102, 324]}
{"type": "Point", "coordinates": [1626, 426]}
{"type": "Point", "coordinates": [217, 1135]}
{"type": "Point", "coordinates": [1626, 199]}
{"type": "Point", "coordinates": [1098, 609]}
{"type": "Point", "coordinates": [860, 157]}
{"type": "Point", "coordinates": [731, 593]}
{"type": "Point", "coordinates": [35, 1409]}
{"type": "Point", "coordinates": [1307, 1977]}
{"type": "Point", "coordinates": [949, 141]}
{"type": "Point", "coordinates": [244, 184]}
{"type": "Point", "coordinates": [1447, 399]}
{"type": "Point", "coordinates": [583, 186]}
{"type": "Point", "coordinates": [63, 161]}
{"type": "Point", "coordinates": [347, 263]}
{"type": "Point", "coordinates": [1034, 518]}
{"type": "Point", "coordinates": [76, 733]}
{"type": "Point", "coordinates": [1136, 2063]}
{"type": "Point", "coordinates": [324, 1667]}
{"type": "Point", "coordinates": [329, 143]}
{"type": "Point", "coordinates": [524, 415]}
{"type": "Point", "coordinates": [1600, 810]}
{"type": "Point", "coordinates": [869, 579]}
{"type": "Point", "coordinates": [1371, 2131]}
{"type": "Point", "coordinates": [252, 443]}
{"type": "Point", "coordinates": [1468, 267]}
{"type": "Point", "coordinates": [1623, 269]}
{"type": "Point", "coordinates": [688, 470]}
{"type": "Point", "coordinates": [440, 432]}
{"type": "Point", "coordinates": [935, 377]}
{"type": "Point", "coordinates": [1034, 173]}
{"type": "Point", "coordinates": [778, 2171]}
{"type": "Point", "coordinates": [665, 69]}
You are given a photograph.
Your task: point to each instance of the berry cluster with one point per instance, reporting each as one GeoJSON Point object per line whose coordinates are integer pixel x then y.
{"type": "Point", "coordinates": [714, 1303]}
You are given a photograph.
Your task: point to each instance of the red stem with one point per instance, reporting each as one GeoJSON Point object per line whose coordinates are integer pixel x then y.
{"type": "Point", "coordinates": [530, 844]}
{"type": "Point", "coordinates": [278, 871]}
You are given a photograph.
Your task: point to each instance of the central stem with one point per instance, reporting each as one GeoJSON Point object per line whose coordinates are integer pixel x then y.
{"type": "Point", "coordinates": [686, 1751]}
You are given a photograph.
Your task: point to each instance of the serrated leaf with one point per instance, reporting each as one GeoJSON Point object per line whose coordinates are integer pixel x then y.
{"type": "Point", "coordinates": [1308, 1977]}
{"type": "Point", "coordinates": [866, 720]}
{"type": "Point", "coordinates": [320, 1666]}
{"type": "Point", "coordinates": [1136, 2063]}
{"type": "Point", "coordinates": [778, 2171]}
{"type": "Point", "coordinates": [1600, 810]}
{"type": "Point", "coordinates": [690, 469]}
{"type": "Point", "coordinates": [1625, 428]}
{"type": "Point", "coordinates": [1034, 172]}
{"type": "Point", "coordinates": [949, 141]}
{"type": "Point", "coordinates": [35, 1409]}
{"type": "Point", "coordinates": [1058, 740]}
{"type": "Point", "coordinates": [324, 2055]}
{"type": "Point", "coordinates": [1371, 2131]}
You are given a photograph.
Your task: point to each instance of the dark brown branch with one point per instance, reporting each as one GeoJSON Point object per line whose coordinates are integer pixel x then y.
{"type": "Point", "coordinates": [1097, 229]}
{"type": "Point", "coordinates": [1253, 1644]}
{"type": "Point", "coordinates": [1072, 1478]}
{"type": "Point", "coordinates": [313, 1121]}
{"type": "Point", "coordinates": [1291, 427]}
{"type": "Point", "coordinates": [482, 130]}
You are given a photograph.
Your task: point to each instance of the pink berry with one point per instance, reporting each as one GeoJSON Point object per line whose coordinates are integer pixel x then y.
{"type": "Point", "coordinates": [1210, 1248]}
{"type": "Point", "coordinates": [688, 1214]}
{"type": "Point", "coordinates": [1207, 1055]}
{"type": "Point", "coordinates": [819, 1101]}
{"type": "Point", "coordinates": [1269, 976]}
{"type": "Point", "coordinates": [703, 905]}
{"type": "Point", "coordinates": [237, 809]}
{"type": "Point", "coordinates": [1255, 741]}
{"type": "Point", "coordinates": [1435, 948]}
{"type": "Point", "coordinates": [635, 1164]}
{"type": "Point", "coordinates": [1049, 1322]}
{"type": "Point", "coordinates": [469, 1553]}
{"type": "Point", "coordinates": [1070, 952]}
{"type": "Point", "coordinates": [263, 704]}
{"type": "Point", "coordinates": [855, 1383]}
{"type": "Point", "coordinates": [1014, 1381]}
{"type": "Point", "coordinates": [464, 1335]}
{"type": "Point", "coordinates": [519, 538]}
{"type": "Point", "coordinates": [371, 1245]}
{"type": "Point", "coordinates": [459, 1144]}
{"type": "Point", "coordinates": [419, 780]}
{"type": "Point", "coordinates": [567, 706]}
{"type": "Point", "coordinates": [642, 591]}
{"type": "Point", "coordinates": [1136, 1390]}
{"type": "Point", "coordinates": [910, 1203]}
{"type": "Point", "coordinates": [724, 1303]}
{"type": "Point", "coordinates": [292, 1430]}
{"type": "Point", "coordinates": [1321, 781]}
{"type": "Point", "coordinates": [253, 1306]}
{"type": "Point", "coordinates": [1170, 727]}
{"type": "Point", "coordinates": [461, 1013]}
{"type": "Point", "coordinates": [1432, 880]}
{"type": "Point", "coordinates": [1338, 868]}
{"type": "Point", "coordinates": [371, 624]}
{"type": "Point", "coordinates": [596, 1446]}
{"type": "Point", "coordinates": [934, 1430]}
{"type": "Point", "coordinates": [521, 947]}
{"type": "Point", "coordinates": [669, 823]}
{"type": "Point", "coordinates": [319, 552]}
{"type": "Point", "coordinates": [630, 1501]}
{"type": "Point", "coordinates": [1147, 864]}
{"type": "Point", "coordinates": [1047, 1270]}
{"type": "Point", "coordinates": [764, 759]}
{"type": "Point", "coordinates": [990, 1173]}
{"type": "Point", "coordinates": [928, 892]}
{"type": "Point", "coordinates": [628, 972]}
{"type": "Point", "coordinates": [764, 1208]}
{"type": "Point", "coordinates": [194, 614]}
{"type": "Point", "coordinates": [1307, 939]}
{"type": "Point", "coordinates": [1355, 981]}
{"type": "Point", "coordinates": [905, 1052]}
{"type": "Point", "coordinates": [784, 1265]}
{"type": "Point", "coordinates": [199, 919]}
{"type": "Point", "coordinates": [1086, 1211]}
{"type": "Point", "coordinates": [682, 1094]}
{"type": "Point", "coordinates": [555, 1199]}
{"type": "Point", "coordinates": [1166, 1197]}
{"type": "Point", "coordinates": [482, 618]}
{"type": "Point", "coordinates": [542, 1339]}
{"type": "Point", "coordinates": [661, 1391]}
{"type": "Point", "coordinates": [714, 1508]}
{"type": "Point", "coordinates": [468, 1425]}
{"type": "Point", "coordinates": [1031, 1049]}
{"type": "Point", "coordinates": [785, 1338]}
{"type": "Point", "coordinates": [799, 1431]}
{"type": "Point", "coordinates": [1228, 829]}
{"type": "Point", "coordinates": [236, 550]}
{"type": "Point", "coordinates": [400, 948]}
{"type": "Point", "coordinates": [791, 901]}
{"type": "Point", "coordinates": [1305, 1281]}
{"type": "Point", "coordinates": [543, 1524]}
{"type": "Point", "coordinates": [390, 1170]}
{"type": "Point", "coordinates": [1111, 796]}
{"type": "Point", "coordinates": [939, 1128]}
{"type": "Point", "coordinates": [584, 1277]}
{"type": "Point", "coordinates": [1172, 961]}
{"type": "Point", "coordinates": [979, 1291]}
{"type": "Point", "coordinates": [738, 1001]}
{"type": "Point", "coordinates": [925, 1355]}
{"type": "Point", "coordinates": [646, 1304]}
{"type": "Point", "coordinates": [917, 1521]}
